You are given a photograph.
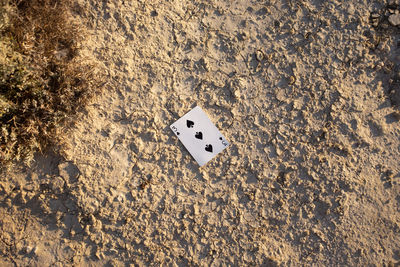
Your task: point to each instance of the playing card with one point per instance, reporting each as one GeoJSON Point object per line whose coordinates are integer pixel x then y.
{"type": "Point", "coordinates": [199, 135]}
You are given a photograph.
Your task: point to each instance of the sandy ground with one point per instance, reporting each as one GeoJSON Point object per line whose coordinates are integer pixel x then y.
{"type": "Point", "coordinates": [305, 91]}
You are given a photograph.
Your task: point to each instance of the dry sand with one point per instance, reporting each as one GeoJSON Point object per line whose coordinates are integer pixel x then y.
{"type": "Point", "coordinates": [301, 89]}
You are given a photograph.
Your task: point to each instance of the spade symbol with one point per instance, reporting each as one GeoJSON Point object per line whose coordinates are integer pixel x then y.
{"type": "Point", "coordinates": [209, 148]}
{"type": "Point", "coordinates": [189, 123]}
{"type": "Point", "coordinates": [199, 135]}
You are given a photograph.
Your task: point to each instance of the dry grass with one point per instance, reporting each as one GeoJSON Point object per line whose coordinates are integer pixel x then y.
{"type": "Point", "coordinates": [43, 80]}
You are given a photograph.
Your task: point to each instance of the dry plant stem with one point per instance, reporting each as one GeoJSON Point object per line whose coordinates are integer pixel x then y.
{"type": "Point", "coordinates": [43, 79]}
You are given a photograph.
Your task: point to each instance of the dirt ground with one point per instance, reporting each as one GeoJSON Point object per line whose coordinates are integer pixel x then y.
{"type": "Point", "coordinates": [307, 93]}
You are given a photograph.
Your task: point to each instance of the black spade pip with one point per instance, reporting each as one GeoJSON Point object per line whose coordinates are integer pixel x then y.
{"type": "Point", "coordinates": [199, 135]}
{"type": "Point", "coordinates": [189, 123]}
{"type": "Point", "coordinates": [209, 148]}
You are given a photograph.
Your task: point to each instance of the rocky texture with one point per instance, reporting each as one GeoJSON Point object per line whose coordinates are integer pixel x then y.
{"type": "Point", "coordinates": [302, 90]}
{"type": "Point", "coordinates": [394, 19]}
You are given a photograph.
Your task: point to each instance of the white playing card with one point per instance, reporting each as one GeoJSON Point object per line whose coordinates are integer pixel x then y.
{"type": "Point", "coordinates": [199, 135]}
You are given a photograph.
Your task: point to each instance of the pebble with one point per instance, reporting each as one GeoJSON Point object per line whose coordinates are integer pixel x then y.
{"type": "Point", "coordinates": [196, 209]}
{"type": "Point", "coordinates": [69, 172]}
{"type": "Point", "coordinates": [57, 184]}
{"type": "Point", "coordinates": [280, 95]}
{"type": "Point", "coordinates": [375, 15]}
{"type": "Point", "coordinates": [394, 19]}
{"type": "Point", "coordinates": [28, 249]}
{"type": "Point", "coordinates": [375, 19]}
{"type": "Point", "coordinates": [259, 55]}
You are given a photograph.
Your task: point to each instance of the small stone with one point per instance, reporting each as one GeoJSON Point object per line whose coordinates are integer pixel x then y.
{"type": "Point", "coordinates": [196, 209]}
{"type": "Point", "coordinates": [259, 55]}
{"type": "Point", "coordinates": [19, 247]}
{"type": "Point", "coordinates": [92, 219]}
{"type": "Point", "coordinates": [375, 15]}
{"type": "Point", "coordinates": [87, 230]}
{"type": "Point", "coordinates": [280, 95]}
{"type": "Point", "coordinates": [394, 19]}
{"type": "Point", "coordinates": [251, 196]}
{"type": "Point", "coordinates": [69, 172]}
{"type": "Point", "coordinates": [236, 94]}
{"type": "Point", "coordinates": [57, 184]}
{"type": "Point", "coordinates": [28, 249]}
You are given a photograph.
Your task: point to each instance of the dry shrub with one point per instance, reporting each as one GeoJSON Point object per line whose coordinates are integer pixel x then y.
{"type": "Point", "coordinates": [43, 80]}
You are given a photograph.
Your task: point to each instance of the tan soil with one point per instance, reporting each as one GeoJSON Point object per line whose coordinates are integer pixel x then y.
{"type": "Point", "coordinates": [305, 91]}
